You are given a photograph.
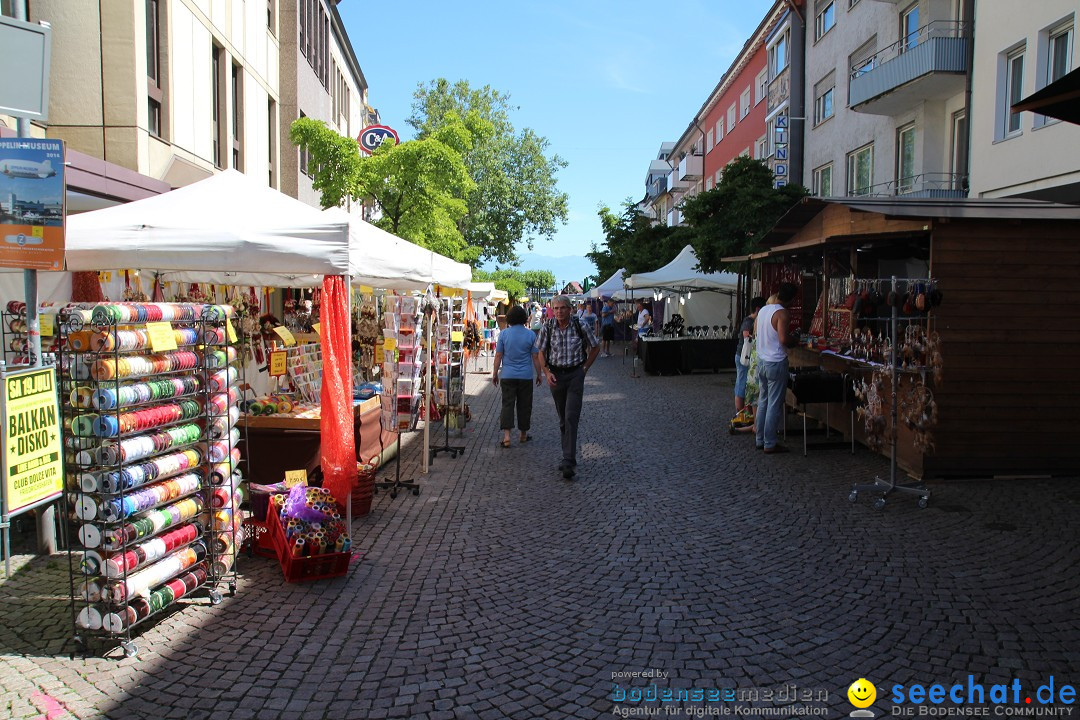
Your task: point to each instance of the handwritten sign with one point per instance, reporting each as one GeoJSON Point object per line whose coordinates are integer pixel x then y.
{"type": "Point", "coordinates": [47, 323]}
{"type": "Point", "coordinates": [277, 363]}
{"type": "Point", "coordinates": [285, 335]}
{"type": "Point", "coordinates": [161, 336]}
{"type": "Point", "coordinates": [457, 336]}
{"type": "Point", "coordinates": [317, 327]}
{"type": "Point", "coordinates": [295, 477]}
{"type": "Point", "coordinates": [230, 331]}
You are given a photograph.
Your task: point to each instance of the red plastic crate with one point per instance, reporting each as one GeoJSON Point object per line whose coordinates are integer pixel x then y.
{"type": "Point", "coordinates": [304, 569]}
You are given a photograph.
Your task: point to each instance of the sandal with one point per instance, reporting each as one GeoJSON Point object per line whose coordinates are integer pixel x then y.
{"type": "Point", "coordinates": [525, 437]}
{"type": "Point", "coordinates": [505, 443]}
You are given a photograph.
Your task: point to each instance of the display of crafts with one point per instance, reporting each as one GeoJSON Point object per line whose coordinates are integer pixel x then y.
{"type": "Point", "coordinates": [312, 521]}
{"type": "Point", "coordinates": [870, 395]}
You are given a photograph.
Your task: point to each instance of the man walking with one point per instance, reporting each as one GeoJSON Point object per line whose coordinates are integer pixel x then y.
{"type": "Point", "coordinates": [566, 349]}
{"type": "Point", "coordinates": [607, 325]}
{"type": "Point", "coordinates": [771, 331]}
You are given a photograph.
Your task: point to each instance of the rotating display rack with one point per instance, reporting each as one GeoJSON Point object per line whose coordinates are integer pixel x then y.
{"type": "Point", "coordinates": [448, 354]}
{"type": "Point", "coordinates": [401, 376]}
{"type": "Point", "coordinates": [151, 446]}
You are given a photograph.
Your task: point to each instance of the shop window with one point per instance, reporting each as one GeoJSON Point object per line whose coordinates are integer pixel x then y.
{"type": "Point", "coordinates": [860, 170]}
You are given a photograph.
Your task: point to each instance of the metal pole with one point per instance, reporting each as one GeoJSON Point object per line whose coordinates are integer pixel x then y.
{"type": "Point", "coordinates": [46, 517]}
{"type": "Point", "coordinates": [895, 379]}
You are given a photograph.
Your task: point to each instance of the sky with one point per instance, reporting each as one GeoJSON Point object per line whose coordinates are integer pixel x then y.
{"type": "Point", "coordinates": [604, 81]}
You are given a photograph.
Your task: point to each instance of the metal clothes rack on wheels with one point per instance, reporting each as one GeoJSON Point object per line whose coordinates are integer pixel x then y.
{"type": "Point", "coordinates": [886, 488]}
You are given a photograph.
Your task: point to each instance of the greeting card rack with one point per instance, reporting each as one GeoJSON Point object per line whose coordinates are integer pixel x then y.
{"type": "Point", "coordinates": [401, 377]}
{"type": "Point", "coordinates": [151, 447]}
{"type": "Point", "coordinates": [448, 376]}
{"type": "Point", "coordinates": [915, 296]}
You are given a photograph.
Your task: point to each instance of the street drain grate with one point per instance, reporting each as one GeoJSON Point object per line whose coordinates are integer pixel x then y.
{"type": "Point", "coordinates": [1007, 527]}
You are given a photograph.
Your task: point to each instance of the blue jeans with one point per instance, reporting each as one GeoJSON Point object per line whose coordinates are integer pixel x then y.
{"type": "Point", "coordinates": [742, 372]}
{"type": "Point", "coordinates": [772, 387]}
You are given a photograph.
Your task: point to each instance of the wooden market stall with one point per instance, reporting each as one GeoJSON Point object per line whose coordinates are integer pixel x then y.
{"type": "Point", "coordinates": [1007, 273]}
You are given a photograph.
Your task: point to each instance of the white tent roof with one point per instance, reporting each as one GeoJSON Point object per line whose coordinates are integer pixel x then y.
{"type": "Point", "coordinates": [228, 229]}
{"type": "Point", "coordinates": [680, 273]}
{"type": "Point", "coordinates": [609, 287]}
{"type": "Point", "coordinates": [381, 259]}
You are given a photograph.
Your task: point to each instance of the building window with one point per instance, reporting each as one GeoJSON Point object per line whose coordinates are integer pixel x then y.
{"type": "Point", "coordinates": [709, 141]}
{"type": "Point", "coordinates": [1014, 86]}
{"type": "Point", "coordinates": [236, 89]}
{"type": "Point", "coordinates": [305, 159]}
{"type": "Point", "coordinates": [825, 20]}
{"type": "Point", "coordinates": [708, 183]}
{"type": "Point", "coordinates": [744, 103]}
{"type": "Point", "coordinates": [719, 129]}
{"type": "Point", "coordinates": [958, 158]}
{"type": "Point", "coordinates": [864, 59]}
{"type": "Point", "coordinates": [731, 118]}
{"type": "Point", "coordinates": [762, 148]}
{"type": "Point", "coordinates": [719, 176]}
{"type": "Point", "coordinates": [823, 99]}
{"type": "Point", "coordinates": [860, 170]}
{"type": "Point", "coordinates": [909, 28]}
{"type": "Point", "coordinates": [271, 133]}
{"type": "Point", "coordinates": [823, 181]}
{"type": "Point", "coordinates": [852, 3]}
{"type": "Point", "coordinates": [216, 103]}
{"type": "Point", "coordinates": [905, 159]}
{"type": "Point", "coordinates": [778, 55]}
{"type": "Point", "coordinates": [1060, 61]}
{"type": "Point", "coordinates": [154, 93]}
{"type": "Point", "coordinates": [271, 16]}
{"type": "Point", "coordinates": [761, 85]}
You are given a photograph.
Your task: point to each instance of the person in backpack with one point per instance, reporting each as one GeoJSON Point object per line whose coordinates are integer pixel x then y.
{"type": "Point", "coordinates": [566, 349]}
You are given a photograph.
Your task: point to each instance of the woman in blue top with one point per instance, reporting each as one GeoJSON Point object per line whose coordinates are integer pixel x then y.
{"type": "Point", "coordinates": [514, 357]}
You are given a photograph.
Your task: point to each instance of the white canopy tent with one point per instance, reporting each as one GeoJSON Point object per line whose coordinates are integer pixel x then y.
{"type": "Point", "coordinates": [381, 259]}
{"type": "Point", "coordinates": [703, 298]}
{"type": "Point", "coordinates": [609, 287]}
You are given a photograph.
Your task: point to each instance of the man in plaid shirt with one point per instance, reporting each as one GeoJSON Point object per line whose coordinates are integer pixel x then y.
{"type": "Point", "coordinates": [566, 349]}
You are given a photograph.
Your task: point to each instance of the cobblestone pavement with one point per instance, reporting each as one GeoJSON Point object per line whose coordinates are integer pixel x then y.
{"type": "Point", "coordinates": [503, 591]}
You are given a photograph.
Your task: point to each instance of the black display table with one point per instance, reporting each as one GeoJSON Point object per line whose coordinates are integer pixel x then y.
{"type": "Point", "coordinates": [669, 356]}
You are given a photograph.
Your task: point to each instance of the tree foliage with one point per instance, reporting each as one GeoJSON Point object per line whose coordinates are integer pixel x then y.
{"type": "Point", "coordinates": [731, 218]}
{"type": "Point", "coordinates": [420, 186]}
{"type": "Point", "coordinates": [516, 282]}
{"type": "Point", "coordinates": [634, 242]}
{"type": "Point", "coordinates": [516, 197]}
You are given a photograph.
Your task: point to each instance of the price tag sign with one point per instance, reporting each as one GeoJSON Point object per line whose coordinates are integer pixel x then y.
{"type": "Point", "coordinates": [389, 343]}
{"type": "Point", "coordinates": [285, 335]}
{"type": "Point", "coordinates": [47, 324]}
{"type": "Point", "coordinates": [365, 290]}
{"type": "Point", "coordinates": [277, 363]}
{"type": "Point", "coordinates": [317, 327]}
{"type": "Point", "coordinates": [161, 336]}
{"type": "Point", "coordinates": [452, 292]}
{"type": "Point", "coordinates": [295, 477]}
{"type": "Point", "coordinates": [457, 336]}
{"type": "Point", "coordinates": [230, 331]}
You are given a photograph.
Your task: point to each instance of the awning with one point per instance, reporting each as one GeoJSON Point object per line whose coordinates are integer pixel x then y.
{"type": "Point", "coordinates": [1060, 99]}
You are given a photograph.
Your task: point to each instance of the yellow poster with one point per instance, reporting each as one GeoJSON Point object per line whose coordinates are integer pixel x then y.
{"type": "Point", "coordinates": [33, 459]}
{"type": "Point", "coordinates": [161, 336]}
{"type": "Point", "coordinates": [285, 335]}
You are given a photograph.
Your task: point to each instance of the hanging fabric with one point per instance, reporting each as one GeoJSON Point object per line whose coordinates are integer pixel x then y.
{"type": "Point", "coordinates": [336, 423]}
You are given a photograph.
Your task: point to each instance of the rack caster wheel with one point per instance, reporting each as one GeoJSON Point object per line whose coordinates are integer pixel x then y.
{"type": "Point", "coordinates": [416, 491]}
{"type": "Point", "coordinates": [232, 589]}
{"type": "Point", "coordinates": [853, 497]}
{"type": "Point", "coordinates": [879, 504]}
{"type": "Point", "coordinates": [924, 501]}
{"type": "Point", "coordinates": [215, 597]}
{"type": "Point", "coordinates": [393, 494]}
{"type": "Point", "coordinates": [130, 649]}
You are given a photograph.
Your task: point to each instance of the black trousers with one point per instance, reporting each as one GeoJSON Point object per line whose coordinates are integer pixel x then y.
{"type": "Point", "coordinates": [519, 393]}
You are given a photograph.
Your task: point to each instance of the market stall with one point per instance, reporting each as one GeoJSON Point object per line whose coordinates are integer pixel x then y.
{"type": "Point", "coordinates": [698, 325]}
{"type": "Point", "coordinates": [977, 336]}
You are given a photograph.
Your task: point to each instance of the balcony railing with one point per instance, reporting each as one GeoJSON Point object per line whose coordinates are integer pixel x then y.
{"type": "Point", "coordinates": [939, 47]}
{"type": "Point", "coordinates": [690, 167]}
{"type": "Point", "coordinates": [658, 187]}
{"type": "Point", "coordinates": [923, 185]}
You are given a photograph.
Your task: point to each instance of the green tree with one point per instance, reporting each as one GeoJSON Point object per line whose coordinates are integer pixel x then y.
{"type": "Point", "coordinates": [516, 282]}
{"type": "Point", "coordinates": [731, 218]}
{"type": "Point", "coordinates": [420, 186]}
{"type": "Point", "coordinates": [634, 242]}
{"type": "Point", "coordinates": [516, 198]}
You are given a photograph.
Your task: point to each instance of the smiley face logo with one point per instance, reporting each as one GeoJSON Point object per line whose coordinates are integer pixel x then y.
{"type": "Point", "coordinates": [862, 693]}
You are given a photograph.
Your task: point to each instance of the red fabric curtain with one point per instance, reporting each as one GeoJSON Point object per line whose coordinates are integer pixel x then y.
{"type": "Point", "coordinates": [336, 424]}
{"type": "Point", "coordinates": [85, 287]}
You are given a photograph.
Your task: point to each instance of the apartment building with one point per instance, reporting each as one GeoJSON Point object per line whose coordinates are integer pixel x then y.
{"type": "Point", "coordinates": [1021, 48]}
{"type": "Point", "coordinates": [321, 79]}
{"type": "Point", "coordinates": [658, 197]}
{"type": "Point", "coordinates": [887, 97]}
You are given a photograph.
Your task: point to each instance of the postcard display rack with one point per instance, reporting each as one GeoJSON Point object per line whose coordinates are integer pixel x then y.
{"type": "Point", "coordinates": [448, 354]}
{"type": "Point", "coordinates": [402, 367]}
{"type": "Point", "coordinates": [152, 456]}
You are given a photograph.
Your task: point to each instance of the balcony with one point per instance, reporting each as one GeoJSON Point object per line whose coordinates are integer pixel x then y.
{"type": "Point", "coordinates": [924, 185]}
{"type": "Point", "coordinates": [690, 167]}
{"type": "Point", "coordinates": [658, 187]}
{"type": "Point", "coordinates": [674, 217]}
{"type": "Point", "coordinates": [674, 183]}
{"type": "Point", "coordinates": [930, 65]}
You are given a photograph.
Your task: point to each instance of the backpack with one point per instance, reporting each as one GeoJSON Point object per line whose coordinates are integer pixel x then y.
{"type": "Point", "coordinates": [576, 323]}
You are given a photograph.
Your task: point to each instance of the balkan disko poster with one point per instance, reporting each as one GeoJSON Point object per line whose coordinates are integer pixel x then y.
{"type": "Point", "coordinates": [32, 203]}
{"type": "Point", "coordinates": [33, 460]}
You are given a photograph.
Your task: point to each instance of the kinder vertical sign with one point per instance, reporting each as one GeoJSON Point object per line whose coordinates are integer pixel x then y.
{"type": "Point", "coordinates": [32, 203]}
{"type": "Point", "coordinates": [33, 451]}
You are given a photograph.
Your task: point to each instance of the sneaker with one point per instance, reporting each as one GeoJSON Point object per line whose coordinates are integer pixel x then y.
{"type": "Point", "coordinates": [775, 449]}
